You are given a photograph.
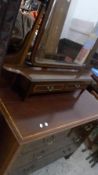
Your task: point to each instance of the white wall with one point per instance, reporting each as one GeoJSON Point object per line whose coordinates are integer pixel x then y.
{"type": "Point", "coordinates": [86, 10]}
{"type": "Point", "coordinates": [67, 24]}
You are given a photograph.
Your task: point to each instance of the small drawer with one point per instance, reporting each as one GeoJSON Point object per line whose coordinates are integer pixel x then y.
{"type": "Point", "coordinates": [31, 146]}
{"type": "Point", "coordinates": [50, 141]}
{"type": "Point", "coordinates": [74, 86]}
{"type": "Point", "coordinates": [23, 170]}
{"type": "Point", "coordinates": [43, 88]}
{"type": "Point", "coordinates": [28, 159]}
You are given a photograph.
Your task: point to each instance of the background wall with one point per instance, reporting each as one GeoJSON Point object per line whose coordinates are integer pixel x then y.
{"type": "Point", "coordinates": [81, 13]}
{"type": "Point", "coordinates": [68, 20]}
{"type": "Point", "coordinates": [86, 10]}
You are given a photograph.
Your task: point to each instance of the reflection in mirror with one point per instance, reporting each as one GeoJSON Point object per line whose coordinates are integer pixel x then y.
{"type": "Point", "coordinates": [50, 39]}
{"type": "Point", "coordinates": [54, 32]}
{"type": "Point", "coordinates": [24, 22]}
{"type": "Point", "coordinates": [25, 30]}
{"type": "Point", "coordinates": [66, 32]}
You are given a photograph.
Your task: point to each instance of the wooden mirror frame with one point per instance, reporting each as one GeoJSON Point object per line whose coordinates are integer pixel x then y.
{"type": "Point", "coordinates": [49, 33]}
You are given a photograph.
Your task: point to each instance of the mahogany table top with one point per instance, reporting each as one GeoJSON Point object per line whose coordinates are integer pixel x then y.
{"type": "Point", "coordinates": [40, 116]}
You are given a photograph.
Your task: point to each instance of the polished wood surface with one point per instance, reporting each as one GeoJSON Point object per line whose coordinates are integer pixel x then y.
{"type": "Point", "coordinates": [38, 131]}
{"type": "Point", "coordinates": [58, 111]}
{"type": "Point", "coordinates": [28, 81]}
{"type": "Point", "coordinates": [40, 75]}
{"type": "Point", "coordinates": [8, 145]}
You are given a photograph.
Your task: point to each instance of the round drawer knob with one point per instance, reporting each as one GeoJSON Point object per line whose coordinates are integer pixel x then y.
{"type": "Point", "coordinates": [77, 140]}
{"type": "Point", "coordinates": [77, 86]}
{"type": "Point", "coordinates": [50, 140]}
{"type": "Point", "coordinates": [88, 127]}
{"type": "Point", "coordinates": [50, 88]}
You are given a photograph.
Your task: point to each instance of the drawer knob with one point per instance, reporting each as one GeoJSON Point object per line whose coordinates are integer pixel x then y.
{"type": "Point", "coordinates": [77, 86]}
{"type": "Point", "coordinates": [88, 127]}
{"type": "Point", "coordinates": [77, 140]}
{"type": "Point", "coordinates": [50, 140]}
{"type": "Point", "coordinates": [50, 88]}
{"type": "Point", "coordinates": [40, 155]}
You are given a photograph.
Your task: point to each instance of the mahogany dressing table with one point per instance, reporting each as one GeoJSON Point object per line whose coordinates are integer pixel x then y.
{"type": "Point", "coordinates": [39, 130]}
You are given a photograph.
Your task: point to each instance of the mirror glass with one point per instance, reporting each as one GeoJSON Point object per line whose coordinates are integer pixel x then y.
{"type": "Point", "coordinates": [67, 32]}
{"type": "Point", "coordinates": [67, 28]}
{"type": "Point", "coordinates": [25, 20]}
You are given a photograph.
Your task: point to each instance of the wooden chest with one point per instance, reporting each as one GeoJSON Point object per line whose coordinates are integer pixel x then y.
{"type": "Point", "coordinates": [39, 130]}
{"type": "Point", "coordinates": [30, 82]}
{"type": "Point", "coordinates": [36, 154]}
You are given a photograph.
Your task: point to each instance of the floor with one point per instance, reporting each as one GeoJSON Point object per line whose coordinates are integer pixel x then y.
{"type": "Point", "coordinates": [76, 165]}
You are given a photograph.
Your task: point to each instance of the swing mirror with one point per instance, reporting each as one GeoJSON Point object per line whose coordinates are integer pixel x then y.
{"type": "Point", "coordinates": [60, 29]}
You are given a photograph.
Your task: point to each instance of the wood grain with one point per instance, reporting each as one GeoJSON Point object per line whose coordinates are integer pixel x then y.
{"type": "Point", "coordinates": [59, 111]}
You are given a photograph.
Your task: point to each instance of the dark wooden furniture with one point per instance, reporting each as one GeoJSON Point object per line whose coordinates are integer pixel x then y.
{"type": "Point", "coordinates": [28, 81]}
{"type": "Point", "coordinates": [39, 130]}
{"type": "Point", "coordinates": [93, 88]}
{"type": "Point", "coordinates": [32, 82]}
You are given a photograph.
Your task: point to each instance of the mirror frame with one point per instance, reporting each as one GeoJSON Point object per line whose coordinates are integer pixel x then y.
{"type": "Point", "coordinates": [50, 25]}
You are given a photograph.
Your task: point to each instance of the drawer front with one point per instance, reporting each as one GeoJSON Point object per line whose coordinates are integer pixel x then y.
{"type": "Point", "coordinates": [75, 85]}
{"type": "Point", "coordinates": [29, 167]}
{"type": "Point", "coordinates": [37, 154]}
{"type": "Point", "coordinates": [25, 87]}
{"type": "Point", "coordinates": [50, 141]}
{"type": "Point", "coordinates": [60, 87]}
{"type": "Point", "coordinates": [60, 144]}
{"type": "Point", "coordinates": [47, 88]}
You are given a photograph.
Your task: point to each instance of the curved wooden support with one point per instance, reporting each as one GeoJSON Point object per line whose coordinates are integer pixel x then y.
{"type": "Point", "coordinates": [20, 57]}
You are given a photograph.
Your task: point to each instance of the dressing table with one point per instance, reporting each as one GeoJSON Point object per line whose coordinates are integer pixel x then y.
{"type": "Point", "coordinates": [50, 125]}
{"type": "Point", "coordinates": [39, 130]}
